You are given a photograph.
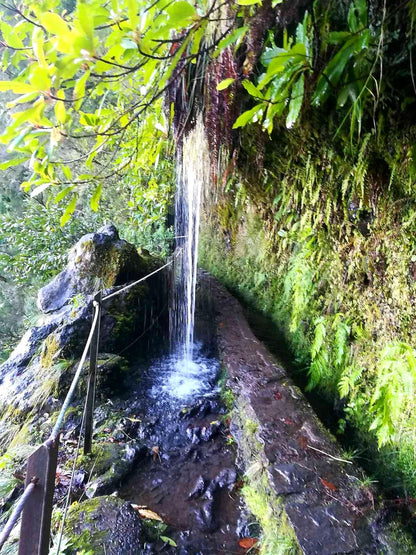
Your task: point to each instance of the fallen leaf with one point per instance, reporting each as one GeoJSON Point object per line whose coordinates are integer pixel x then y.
{"type": "Point", "coordinates": [328, 485]}
{"type": "Point", "coordinates": [248, 543]}
{"type": "Point", "coordinates": [303, 441]}
{"type": "Point", "coordinates": [277, 395]}
{"type": "Point", "coordinates": [147, 513]}
{"type": "Point", "coordinates": [133, 419]}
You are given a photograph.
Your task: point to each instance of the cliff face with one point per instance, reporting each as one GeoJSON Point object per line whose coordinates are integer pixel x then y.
{"type": "Point", "coordinates": [319, 235]}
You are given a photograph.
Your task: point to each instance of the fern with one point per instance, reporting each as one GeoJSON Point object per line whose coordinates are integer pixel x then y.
{"type": "Point", "coordinates": [393, 395]}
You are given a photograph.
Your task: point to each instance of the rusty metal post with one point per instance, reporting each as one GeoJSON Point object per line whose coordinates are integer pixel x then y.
{"type": "Point", "coordinates": [89, 407]}
{"type": "Point", "coordinates": [37, 512]}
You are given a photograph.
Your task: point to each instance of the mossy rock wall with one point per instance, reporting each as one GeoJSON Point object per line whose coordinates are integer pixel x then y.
{"type": "Point", "coordinates": [321, 239]}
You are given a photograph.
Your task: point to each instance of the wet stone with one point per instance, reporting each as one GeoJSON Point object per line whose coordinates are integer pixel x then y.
{"type": "Point", "coordinates": [206, 518]}
{"type": "Point", "coordinates": [199, 488]}
{"type": "Point", "coordinates": [326, 529]}
{"type": "Point", "coordinates": [290, 478]}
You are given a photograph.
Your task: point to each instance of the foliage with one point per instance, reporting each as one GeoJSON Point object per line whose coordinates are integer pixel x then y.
{"type": "Point", "coordinates": [283, 82]}
{"type": "Point", "coordinates": [331, 231]}
{"type": "Point", "coordinates": [92, 80]}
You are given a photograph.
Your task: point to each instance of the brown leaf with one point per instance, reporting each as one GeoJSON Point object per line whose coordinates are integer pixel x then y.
{"type": "Point", "coordinates": [277, 395]}
{"type": "Point", "coordinates": [248, 543]}
{"type": "Point", "coordinates": [303, 442]}
{"type": "Point", "coordinates": [147, 513]}
{"type": "Point", "coordinates": [329, 485]}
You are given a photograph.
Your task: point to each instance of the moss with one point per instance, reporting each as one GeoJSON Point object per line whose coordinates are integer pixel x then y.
{"type": "Point", "coordinates": [101, 459]}
{"type": "Point", "coordinates": [339, 297]}
{"type": "Point", "coordinates": [277, 535]}
{"type": "Point", "coordinates": [251, 427]}
{"type": "Point", "coordinates": [50, 350]}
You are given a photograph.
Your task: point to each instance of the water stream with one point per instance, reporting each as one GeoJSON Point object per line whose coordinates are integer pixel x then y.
{"type": "Point", "coordinates": [192, 178]}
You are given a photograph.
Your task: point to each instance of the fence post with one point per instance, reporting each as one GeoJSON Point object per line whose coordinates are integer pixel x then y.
{"type": "Point", "coordinates": [89, 407]}
{"type": "Point", "coordinates": [37, 511]}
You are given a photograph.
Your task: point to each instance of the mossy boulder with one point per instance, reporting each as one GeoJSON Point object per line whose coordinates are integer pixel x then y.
{"type": "Point", "coordinates": [41, 365]}
{"type": "Point", "coordinates": [108, 465]}
{"type": "Point", "coordinates": [98, 260]}
{"type": "Point", "coordinates": [104, 526]}
{"type": "Point", "coordinates": [111, 373]}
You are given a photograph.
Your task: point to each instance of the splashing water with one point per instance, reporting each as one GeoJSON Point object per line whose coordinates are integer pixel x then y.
{"type": "Point", "coordinates": [192, 176]}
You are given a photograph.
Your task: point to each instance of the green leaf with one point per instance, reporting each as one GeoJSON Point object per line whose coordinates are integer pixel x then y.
{"type": "Point", "coordinates": [295, 101]}
{"type": "Point", "coordinates": [132, 10]}
{"type": "Point", "coordinates": [180, 13]}
{"type": "Point", "coordinates": [270, 53]}
{"type": "Point", "coordinates": [86, 22]}
{"type": "Point", "coordinates": [37, 45]}
{"type": "Point", "coordinates": [69, 210]}
{"type": "Point", "coordinates": [60, 110]}
{"type": "Point", "coordinates": [95, 199]}
{"type": "Point", "coordinates": [252, 89]}
{"type": "Point", "coordinates": [62, 194]}
{"type": "Point", "coordinates": [248, 2]}
{"type": "Point", "coordinates": [11, 163]}
{"type": "Point", "coordinates": [18, 87]}
{"type": "Point", "coordinates": [10, 36]}
{"type": "Point", "coordinates": [79, 90]}
{"type": "Point", "coordinates": [234, 37]}
{"type": "Point", "coordinates": [168, 541]}
{"type": "Point", "coordinates": [54, 24]}
{"type": "Point", "coordinates": [247, 116]}
{"type": "Point", "coordinates": [224, 84]}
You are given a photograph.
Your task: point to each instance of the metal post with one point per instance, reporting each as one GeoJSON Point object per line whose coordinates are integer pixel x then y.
{"type": "Point", "coordinates": [89, 407]}
{"type": "Point", "coordinates": [37, 511]}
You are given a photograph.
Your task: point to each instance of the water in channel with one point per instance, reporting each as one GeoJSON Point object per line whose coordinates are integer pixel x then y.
{"type": "Point", "coordinates": [190, 477]}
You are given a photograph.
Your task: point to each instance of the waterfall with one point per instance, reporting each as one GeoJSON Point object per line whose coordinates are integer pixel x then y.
{"type": "Point", "coordinates": [192, 176]}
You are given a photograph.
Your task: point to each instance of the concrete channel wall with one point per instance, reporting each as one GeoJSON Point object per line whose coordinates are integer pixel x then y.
{"type": "Point", "coordinates": [308, 498]}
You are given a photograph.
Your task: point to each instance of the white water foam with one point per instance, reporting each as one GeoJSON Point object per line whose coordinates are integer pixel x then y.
{"type": "Point", "coordinates": [183, 379]}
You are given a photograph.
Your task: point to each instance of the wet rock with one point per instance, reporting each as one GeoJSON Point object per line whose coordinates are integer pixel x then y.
{"type": "Point", "coordinates": [194, 434]}
{"type": "Point", "coordinates": [225, 479]}
{"type": "Point", "coordinates": [104, 526]}
{"type": "Point", "coordinates": [110, 464]}
{"type": "Point", "coordinates": [198, 488]}
{"type": "Point", "coordinates": [206, 517]}
{"type": "Point", "coordinates": [100, 256]}
{"type": "Point", "coordinates": [201, 409]}
{"type": "Point", "coordinates": [211, 431]}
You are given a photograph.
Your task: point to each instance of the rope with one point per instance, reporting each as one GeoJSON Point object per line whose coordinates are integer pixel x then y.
{"type": "Point", "coordinates": [68, 497]}
{"type": "Point", "coordinates": [14, 517]}
{"type": "Point", "coordinates": [74, 383]}
{"type": "Point", "coordinates": [136, 282]}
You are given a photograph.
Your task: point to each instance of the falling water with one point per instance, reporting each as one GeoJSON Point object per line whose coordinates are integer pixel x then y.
{"type": "Point", "coordinates": [192, 175]}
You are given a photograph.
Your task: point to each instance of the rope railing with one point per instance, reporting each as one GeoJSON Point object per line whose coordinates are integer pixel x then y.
{"type": "Point", "coordinates": [35, 504]}
{"type": "Point", "coordinates": [14, 517]}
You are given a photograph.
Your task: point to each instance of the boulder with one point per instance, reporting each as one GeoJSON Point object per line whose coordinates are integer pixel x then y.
{"type": "Point", "coordinates": [40, 366]}
{"type": "Point", "coordinates": [104, 526]}
{"type": "Point", "coordinates": [99, 260]}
